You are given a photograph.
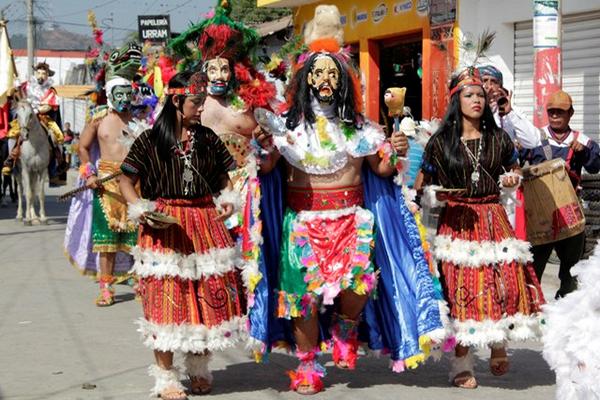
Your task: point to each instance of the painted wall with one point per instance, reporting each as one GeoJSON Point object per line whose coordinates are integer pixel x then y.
{"type": "Point", "coordinates": [474, 16]}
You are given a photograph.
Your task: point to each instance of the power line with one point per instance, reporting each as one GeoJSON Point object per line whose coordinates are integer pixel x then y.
{"type": "Point", "coordinates": [87, 9]}
{"type": "Point", "coordinates": [50, 21]}
{"type": "Point", "coordinates": [176, 7]}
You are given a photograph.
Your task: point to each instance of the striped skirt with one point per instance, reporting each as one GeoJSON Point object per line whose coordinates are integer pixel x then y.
{"type": "Point", "coordinates": [192, 293]}
{"type": "Point", "coordinates": [487, 274]}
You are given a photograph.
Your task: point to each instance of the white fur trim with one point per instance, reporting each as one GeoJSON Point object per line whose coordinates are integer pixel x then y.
{"type": "Point", "coordinates": [572, 335]}
{"type": "Point", "coordinates": [164, 379]}
{"type": "Point", "coordinates": [193, 266]}
{"type": "Point", "coordinates": [307, 216]}
{"type": "Point", "coordinates": [137, 209]}
{"type": "Point", "coordinates": [229, 196]}
{"type": "Point", "coordinates": [474, 254]}
{"type": "Point", "coordinates": [192, 338]}
{"type": "Point", "coordinates": [429, 199]}
{"type": "Point", "coordinates": [196, 366]}
{"type": "Point", "coordinates": [518, 327]}
{"type": "Point", "coordinates": [461, 364]}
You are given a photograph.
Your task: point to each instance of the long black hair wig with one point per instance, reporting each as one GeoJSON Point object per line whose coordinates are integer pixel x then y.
{"type": "Point", "coordinates": [452, 127]}
{"type": "Point", "coordinates": [163, 132]}
{"type": "Point", "coordinates": [299, 95]}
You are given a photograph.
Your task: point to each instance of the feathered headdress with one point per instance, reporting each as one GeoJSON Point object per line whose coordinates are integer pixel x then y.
{"type": "Point", "coordinates": [217, 36]}
{"type": "Point", "coordinates": [469, 74]}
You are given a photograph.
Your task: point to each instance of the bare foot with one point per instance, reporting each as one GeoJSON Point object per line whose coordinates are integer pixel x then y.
{"type": "Point", "coordinates": [200, 386]}
{"type": "Point", "coordinates": [465, 380]}
{"type": "Point", "coordinates": [306, 389]}
{"type": "Point", "coordinates": [173, 394]}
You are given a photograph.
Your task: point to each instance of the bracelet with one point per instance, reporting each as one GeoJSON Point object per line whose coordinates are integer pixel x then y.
{"type": "Point", "coordinates": [86, 170]}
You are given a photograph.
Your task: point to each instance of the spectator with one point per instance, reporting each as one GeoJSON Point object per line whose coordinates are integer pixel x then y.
{"type": "Point", "coordinates": [580, 152]}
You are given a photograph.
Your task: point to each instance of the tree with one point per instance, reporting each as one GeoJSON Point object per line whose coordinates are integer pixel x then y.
{"type": "Point", "coordinates": [246, 11]}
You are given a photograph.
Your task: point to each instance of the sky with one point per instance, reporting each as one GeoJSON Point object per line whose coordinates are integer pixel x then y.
{"type": "Point", "coordinates": [120, 14]}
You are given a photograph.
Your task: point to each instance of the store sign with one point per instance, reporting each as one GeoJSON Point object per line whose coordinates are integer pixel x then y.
{"type": "Point", "coordinates": [422, 7]}
{"type": "Point", "coordinates": [343, 19]}
{"type": "Point", "coordinates": [362, 16]}
{"type": "Point", "coordinates": [154, 28]}
{"type": "Point", "coordinates": [403, 7]}
{"type": "Point", "coordinates": [379, 12]}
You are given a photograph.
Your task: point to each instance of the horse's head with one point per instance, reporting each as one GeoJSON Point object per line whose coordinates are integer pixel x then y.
{"type": "Point", "coordinates": [24, 115]}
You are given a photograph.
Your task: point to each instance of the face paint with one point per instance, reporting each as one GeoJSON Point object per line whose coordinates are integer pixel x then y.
{"type": "Point", "coordinates": [41, 75]}
{"type": "Point", "coordinates": [324, 79]}
{"type": "Point", "coordinates": [120, 97]}
{"type": "Point", "coordinates": [218, 72]}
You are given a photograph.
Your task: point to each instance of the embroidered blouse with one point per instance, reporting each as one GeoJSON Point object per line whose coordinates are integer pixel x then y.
{"type": "Point", "coordinates": [495, 159]}
{"type": "Point", "coordinates": [159, 178]}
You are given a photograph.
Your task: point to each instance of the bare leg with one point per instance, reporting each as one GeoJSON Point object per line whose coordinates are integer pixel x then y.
{"type": "Point", "coordinates": [107, 263]}
{"type": "Point", "coordinates": [306, 333]}
{"type": "Point", "coordinates": [352, 304]}
{"type": "Point", "coordinates": [498, 361]}
{"type": "Point", "coordinates": [462, 368]}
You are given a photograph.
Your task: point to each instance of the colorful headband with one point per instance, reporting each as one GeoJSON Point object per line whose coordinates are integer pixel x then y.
{"type": "Point", "coordinates": [191, 90]}
{"type": "Point", "coordinates": [472, 81]}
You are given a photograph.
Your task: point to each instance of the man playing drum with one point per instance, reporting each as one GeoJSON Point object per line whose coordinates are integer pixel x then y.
{"type": "Point", "coordinates": [578, 151]}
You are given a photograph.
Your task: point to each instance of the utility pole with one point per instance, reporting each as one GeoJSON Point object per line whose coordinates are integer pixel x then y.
{"type": "Point", "coordinates": [30, 38]}
{"type": "Point", "coordinates": [547, 73]}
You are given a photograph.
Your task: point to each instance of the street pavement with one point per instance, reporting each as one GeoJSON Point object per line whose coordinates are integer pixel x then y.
{"type": "Point", "coordinates": [56, 344]}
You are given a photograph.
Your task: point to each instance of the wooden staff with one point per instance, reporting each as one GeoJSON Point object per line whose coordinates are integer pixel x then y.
{"type": "Point", "coordinates": [80, 189]}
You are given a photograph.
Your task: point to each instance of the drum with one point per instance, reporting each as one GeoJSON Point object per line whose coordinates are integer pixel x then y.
{"type": "Point", "coordinates": [552, 208]}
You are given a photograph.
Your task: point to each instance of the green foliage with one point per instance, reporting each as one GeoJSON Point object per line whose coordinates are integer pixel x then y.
{"type": "Point", "coordinates": [246, 11]}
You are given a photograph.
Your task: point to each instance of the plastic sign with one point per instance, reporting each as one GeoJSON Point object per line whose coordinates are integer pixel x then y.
{"type": "Point", "coordinates": [154, 28]}
{"type": "Point", "coordinates": [379, 12]}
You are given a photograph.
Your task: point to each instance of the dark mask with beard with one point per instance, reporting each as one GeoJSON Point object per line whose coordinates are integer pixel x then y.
{"type": "Point", "coordinates": [324, 79]}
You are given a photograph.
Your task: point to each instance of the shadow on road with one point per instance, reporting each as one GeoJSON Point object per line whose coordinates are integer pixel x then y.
{"type": "Point", "coordinates": [528, 369]}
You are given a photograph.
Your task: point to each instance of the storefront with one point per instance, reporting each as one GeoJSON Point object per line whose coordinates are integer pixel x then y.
{"type": "Point", "coordinates": [406, 43]}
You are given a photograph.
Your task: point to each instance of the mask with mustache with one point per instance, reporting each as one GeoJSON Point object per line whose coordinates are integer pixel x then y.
{"type": "Point", "coordinates": [324, 79]}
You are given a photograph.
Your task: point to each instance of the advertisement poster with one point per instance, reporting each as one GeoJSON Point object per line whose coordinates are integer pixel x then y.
{"type": "Point", "coordinates": [546, 24]}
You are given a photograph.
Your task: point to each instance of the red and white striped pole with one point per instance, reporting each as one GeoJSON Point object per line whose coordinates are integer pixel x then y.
{"type": "Point", "coordinates": [547, 75]}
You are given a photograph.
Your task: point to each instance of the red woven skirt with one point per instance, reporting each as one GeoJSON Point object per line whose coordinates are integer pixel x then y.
{"type": "Point", "coordinates": [487, 275]}
{"type": "Point", "coordinates": [192, 292]}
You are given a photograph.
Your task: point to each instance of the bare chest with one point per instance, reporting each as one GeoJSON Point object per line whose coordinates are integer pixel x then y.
{"type": "Point", "coordinates": [223, 119]}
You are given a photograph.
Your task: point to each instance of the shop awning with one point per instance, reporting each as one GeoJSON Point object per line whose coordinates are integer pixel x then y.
{"type": "Point", "coordinates": [73, 91]}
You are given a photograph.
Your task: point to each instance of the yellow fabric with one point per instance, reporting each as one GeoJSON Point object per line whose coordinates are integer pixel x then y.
{"type": "Point", "coordinates": [113, 203]}
{"type": "Point", "coordinates": [52, 127]}
{"type": "Point", "coordinates": [14, 130]}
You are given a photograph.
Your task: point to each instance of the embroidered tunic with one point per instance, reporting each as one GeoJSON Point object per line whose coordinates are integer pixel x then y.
{"type": "Point", "coordinates": [160, 178]}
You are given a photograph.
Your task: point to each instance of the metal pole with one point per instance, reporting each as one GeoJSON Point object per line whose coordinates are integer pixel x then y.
{"type": "Point", "coordinates": [30, 38]}
{"type": "Point", "coordinates": [547, 32]}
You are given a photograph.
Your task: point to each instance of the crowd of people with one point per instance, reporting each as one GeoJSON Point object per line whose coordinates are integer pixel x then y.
{"type": "Point", "coordinates": [244, 215]}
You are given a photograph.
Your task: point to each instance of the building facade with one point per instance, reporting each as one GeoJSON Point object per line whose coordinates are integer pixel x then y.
{"type": "Point", "coordinates": [415, 44]}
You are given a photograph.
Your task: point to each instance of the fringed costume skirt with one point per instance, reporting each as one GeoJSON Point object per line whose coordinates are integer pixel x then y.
{"type": "Point", "coordinates": [192, 293]}
{"type": "Point", "coordinates": [326, 248]}
{"type": "Point", "coordinates": [487, 275]}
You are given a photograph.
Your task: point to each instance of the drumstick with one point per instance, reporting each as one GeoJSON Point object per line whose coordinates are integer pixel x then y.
{"type": "Point", "coordinates": [80, 189]}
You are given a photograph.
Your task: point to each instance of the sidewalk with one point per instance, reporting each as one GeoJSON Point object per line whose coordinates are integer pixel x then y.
{"type": "Point", "coordinates": [54, 341]}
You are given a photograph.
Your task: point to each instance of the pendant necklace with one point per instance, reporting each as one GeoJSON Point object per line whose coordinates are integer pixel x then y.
{"type": "Point", "coordinates": [186, 156]}
{"type": "Point", "coordinates": [474, 159]}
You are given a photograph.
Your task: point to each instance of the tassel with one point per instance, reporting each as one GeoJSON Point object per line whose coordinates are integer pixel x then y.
{"type": "Point", "coordinates": [345, 341]}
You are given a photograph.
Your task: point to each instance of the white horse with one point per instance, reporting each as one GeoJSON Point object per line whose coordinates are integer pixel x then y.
{"type": "Point", "coordinates": [32, 167]}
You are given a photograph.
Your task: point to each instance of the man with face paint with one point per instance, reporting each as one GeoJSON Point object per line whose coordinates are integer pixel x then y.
{"type": "Point", "coordinates": [112, 232]}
